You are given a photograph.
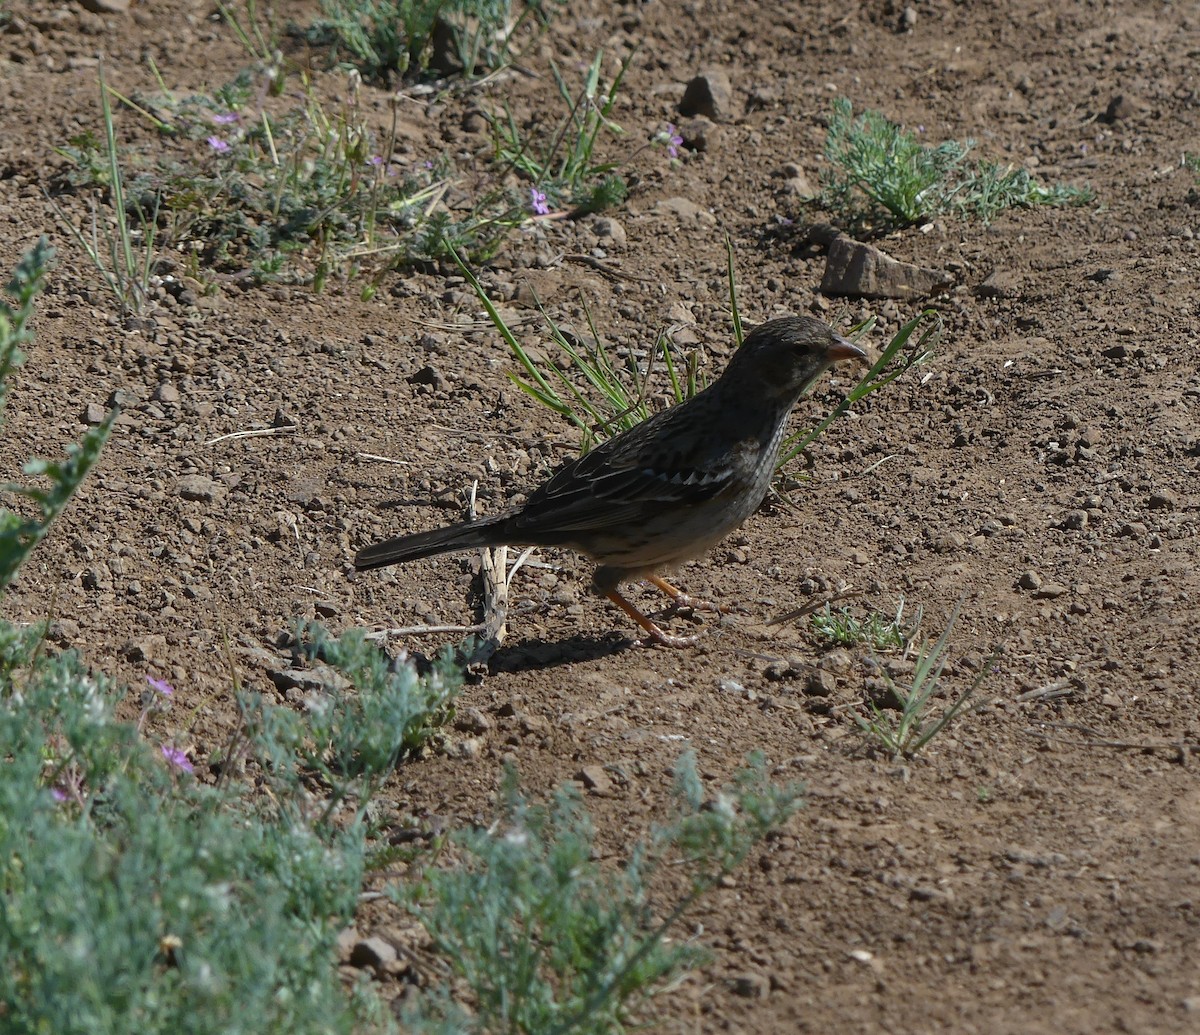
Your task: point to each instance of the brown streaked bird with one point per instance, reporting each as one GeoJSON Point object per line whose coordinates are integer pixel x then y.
{"type": "Point", "coordinates": [670, 488]}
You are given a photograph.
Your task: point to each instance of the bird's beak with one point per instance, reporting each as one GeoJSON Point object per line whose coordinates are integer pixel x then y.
{"type": "Point", "coordinates": [843, 348]}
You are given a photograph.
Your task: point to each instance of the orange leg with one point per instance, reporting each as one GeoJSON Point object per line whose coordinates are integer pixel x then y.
{"type": "Point", "coordinates": [682, 599]}
{"type": "Point", "coordinates": [652, 630]}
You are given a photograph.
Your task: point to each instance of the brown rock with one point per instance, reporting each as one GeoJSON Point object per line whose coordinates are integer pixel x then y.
{"type": "Point", "coordinates": [863, 271]}
{"type": "Point", "coordinates": [709, 94]}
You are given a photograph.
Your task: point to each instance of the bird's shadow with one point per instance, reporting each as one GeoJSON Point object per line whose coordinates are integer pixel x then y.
{"type": "Point", "coordinates": [535, 655]}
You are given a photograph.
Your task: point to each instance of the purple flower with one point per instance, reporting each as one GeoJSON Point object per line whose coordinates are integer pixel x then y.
{"type": "Point", "coordinates": [674, 140]}
{"type": "Point", "coordinates": [161, 685]}
{"type": "Point", "coordinates": [218, 145]}
{"type": "Point", "coordinates": [226, 118]}
{"type": "Point", "coordinates": [57, 795]}
{"type": "Point", "coordinates": [537, 201]}
{"type": "Point", "coordinates": [375, 160]}
{"type": "Point", "coordinates": [177, 758]}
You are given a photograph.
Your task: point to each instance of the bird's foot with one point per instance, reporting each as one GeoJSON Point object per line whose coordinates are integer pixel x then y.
{"type": "Point", "coordinates": [681, 599]}
{"type": "Point", "coordinates": [653, 633]}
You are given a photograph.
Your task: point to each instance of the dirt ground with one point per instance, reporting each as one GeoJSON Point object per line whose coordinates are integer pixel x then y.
{"type": "Point", "coordinates": [1037, 868]}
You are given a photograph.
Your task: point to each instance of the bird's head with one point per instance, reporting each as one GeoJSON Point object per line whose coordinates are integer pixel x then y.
{"type": "Point", "coordinates": [783, 357]}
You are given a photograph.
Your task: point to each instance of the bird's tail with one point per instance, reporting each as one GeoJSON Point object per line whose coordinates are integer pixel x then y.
{"type": "Point", "coordinates": [466, 536]}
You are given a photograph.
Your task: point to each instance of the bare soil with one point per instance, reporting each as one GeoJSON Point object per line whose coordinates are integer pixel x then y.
{"type": "Point", "coordinates": [1036, 868]}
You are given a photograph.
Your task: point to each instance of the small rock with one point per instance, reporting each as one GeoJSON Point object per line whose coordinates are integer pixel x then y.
{"type": "Point", "coordinates": [863, 271]}
{"type": "Point", "coordinates": [473, 720]}
{"type": "Point", "coordinates": [595, 779]}
{"type": "Point", "coordinates": [1122, 107]}
{"type": "Point", "coordinates": [1030, 580]}
{"type": "Point", "coordinates": [199, 489]}
{"type": "Point", "coordinates": [105, 6]}
{"type": "Point", "coordinates": [1163, 499]}
{"type": "Point", "coordinates": [820, 683]}
{"type": "Point", "coordinates": [326, 609]}
{"type": "Point", "coordinates": [166, 393]}
{"type": "Point", "coordinates": [428, 375]}
{"type": "Point", "coordinates": [1001, 284]}
{"type": "Point", "coordinates": [1075, 520]}
{"type": "Point", "coordinates": [610, 231]}
{"type": "Point", "coordinates": [475, 121]}
{"type": "Point", "coordinates": [699, 134]}
{"type": "Point", "coordinates": [1049, 590]}
{"type": "Point", "coordinates": [93, 413]}
{"type": "Point", "coordinates": [751, 986]}
{"type": "Point", "coordinates": [372, 952]}
{"type": "Point", "coordinates": [785, 668]}
{"type": "Point", "coordinates": [709, 94]}
{"type": "Point", "coordinates": [347, 938]}
{"type": "Point", "coordinates": [837, 661]}
{"type": "Point", "coordinates": [685, 211]}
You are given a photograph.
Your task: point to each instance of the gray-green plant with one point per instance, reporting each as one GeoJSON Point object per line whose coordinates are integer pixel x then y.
{"type": "Point", "coordinates": [562, 167]}
{"type": "Point", "coordinates": [882, 177]}
{"type": "Point", "coordinates": [21, 531]}
{"type": "Point", "coordinates": [134, 896]}
{"type": "Point", "coordinates": [389, 38]}
{"type": "Point", "coordinates": [368, 713]}
{"type": "Point", "coordinates": [843, 628]}
{"type": "Point", "coordinates": [549, 940]}
{"type": "Point", "coordinates": [908, 727]}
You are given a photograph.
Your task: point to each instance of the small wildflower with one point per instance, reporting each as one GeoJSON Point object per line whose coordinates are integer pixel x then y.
{"type": "Point", "coordinates": [674, 140]}
{"type": "Point", "coordinates": [161, 685]}
{"type": "Point", "coordinates": [537, 201]}
{"type": "Point", "coordinates": [177, 758]}
{"type": "Point", "coordinates": [58, 795]}
{"type": "Point", "coordinates": [375, 160]}
{"type": "Point", "coordinates": [218, 145]}
{"type": "Point", "coordinates": [226, 118]}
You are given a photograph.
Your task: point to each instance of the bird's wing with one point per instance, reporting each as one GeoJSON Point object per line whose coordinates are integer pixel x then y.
{"type": "Point", "coordinates": [612, 485]}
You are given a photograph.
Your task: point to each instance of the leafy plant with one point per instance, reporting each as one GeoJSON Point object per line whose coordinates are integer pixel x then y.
{"type": "Point", "coordinates": [138, 898]}
{"type": "Point", "coordinates": [905, 733]}
{"type": "Point", "coordinates": [563, 169]}
{"type": "Point", "coordinates": [20, 534]}
{"type": "Point", "coordinates": [548, 940]}
{"type": "Point", "coordinates": [882, 177]}
{"type": "Point", "coordinates": [309, 191]}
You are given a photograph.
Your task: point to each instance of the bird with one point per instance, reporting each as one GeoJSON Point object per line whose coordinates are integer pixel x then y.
{"type": "Point", "coordinates": [668, 489]}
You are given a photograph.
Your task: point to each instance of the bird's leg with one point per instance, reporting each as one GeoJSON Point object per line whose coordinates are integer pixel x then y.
{"type": "Point", "coordinates": [683, 600]}
{"type": "Point", "coordinates": [652, 630]}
